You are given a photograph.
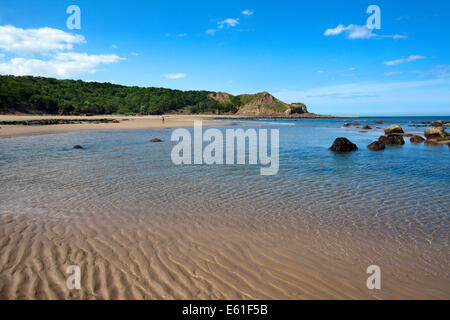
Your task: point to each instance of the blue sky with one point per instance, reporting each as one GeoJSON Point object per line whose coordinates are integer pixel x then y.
{"type": "Point", "coordinates": [318, 53]}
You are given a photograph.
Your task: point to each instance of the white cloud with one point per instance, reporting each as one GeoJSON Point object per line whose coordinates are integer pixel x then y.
{"type": "Point", "coordinates": [351, 69]}
{"type": "Point", "coordinates": [114, 46]}
{"type": "Point", "coordinates": [394, 73]}
{"type": "Point", "coordinates": [134, 54]}
{"type": "Point", "coordinates": [183, 35]}
{"type": "Point", "coordinates": [230, 22]}
{"type": "Point", "coordinates": [403, 60]}
{"type": "Point", "coordinates": [354, 31]}
{"type": "Point", "coordinates": [61, 65]}
{"type": "Point", "coordinates": [175, 76]}
{"type": "Point", "coordinates": [211, 31]}
{"type": "Point", "coordinates": [42, 40]}
{"type": "Point", "coordinates": [320, 71]}
{"type": "Point", "coordinates": [334, 31]}
{"type": "Point", "coordinates": [247, 12]}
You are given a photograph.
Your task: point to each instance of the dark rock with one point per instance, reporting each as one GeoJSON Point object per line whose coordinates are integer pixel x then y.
{"type": "Point", "coordinates": [417, 139]}
{"type": "Point", "coordinates": [346, 124]}
{"type": "Point", "coordinates": [367, 127]}
{"type": "Point", "coordinates": [343, 145]}
{"type": "Point", "coordinates": [355, 124]}
{"type": "Point", "coordinates": [383, 139]}
{"type": "Point", "coordinates": [378, 122]}
{"type": "Point", "coordinates": [156, 140]}
{"type": "Point", "coordinates": [377, 145]}
{"type": "Point", "coordinates": [395, 140]}
{"type": "Point", "coordinates": [77, 147]}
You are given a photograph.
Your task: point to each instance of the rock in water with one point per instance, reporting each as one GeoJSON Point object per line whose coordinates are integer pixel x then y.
{"type": "Point", "coordinates": [346, 124]}
{"type": "Point", "coordinates": [417, 139]}
{"type": "Point", "coordinates": [393, 129]}
{"type": "Point", "coordinates": [436, 134]}
{"type": "Point", "coordinates": [77, 147]}
{"type": "Point", "coordinates": [395, 140]}
{"type": "Point", "coordinates": [367, 127]}
{"type": "Point", "coordinates": [383, 139]}
{"type": "Point", "coordinates": [343, 145]}
{"type": "Point", "coordinates": [377, 145]}
{"type": "Point", "coordinates": [156, 140]}
{"type": "Point", "coordinates": [437, 123]}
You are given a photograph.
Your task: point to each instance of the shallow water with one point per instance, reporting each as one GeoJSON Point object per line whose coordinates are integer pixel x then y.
{"type": "Point", "coordinates": [399, 196]}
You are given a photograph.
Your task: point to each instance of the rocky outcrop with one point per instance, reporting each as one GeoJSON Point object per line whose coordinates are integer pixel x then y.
{"type": "Point", "coordinates": [155, 140]}
{"type": "Point", "coordinates": [264, 104]}
{"type": "Point", "coordinates": [367, 127]}
{"type": "Point", "coordinates": [393, 129]}
{"type": "Point", "coordinates": [221, 97]}
{"type": "Point", "coordinates": [343, 145]}
{"type": "Point", "coordinates": [377, 145]}
{"type": "Point", "coordinates": [77, 147]}
{"type": "Point", "coordinates": [383, 139]}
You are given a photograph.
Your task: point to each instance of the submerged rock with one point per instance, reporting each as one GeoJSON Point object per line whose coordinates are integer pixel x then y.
{"type": "Point", "coordinates": [417, 139]}
{"type": "Point", "coordinates": [393, 129]}
{"type": "Point", "coordinates": [343, 145]}
{"type": "Point", "coordinates": [346, 124]}
{"type": "Point", "coordinates": [77, 147]}
{"type": "Point", "coordinates": [367, 127]}
{"type": "Point", "coordinates": [155, 140]}
{"type": "Point", "coordinates": [395, 140]}
{"type": "Point", "coordinates": [379, 122]}
{"type": "Point", "coordinates": [377, 145]}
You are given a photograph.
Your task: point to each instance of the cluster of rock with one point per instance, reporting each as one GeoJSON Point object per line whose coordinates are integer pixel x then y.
{"type": "Point", "coordinates": [394, 137]}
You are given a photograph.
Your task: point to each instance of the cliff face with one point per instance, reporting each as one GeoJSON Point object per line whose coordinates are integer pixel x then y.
{"type": "Point", "coordinates": [261, 104]}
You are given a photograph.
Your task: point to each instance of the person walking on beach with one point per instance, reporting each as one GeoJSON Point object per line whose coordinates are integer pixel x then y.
{"type": "Point", "coordinates": [162, 119]}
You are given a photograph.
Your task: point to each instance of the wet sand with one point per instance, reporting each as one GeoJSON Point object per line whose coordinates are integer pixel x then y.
{"type": "Point", "coordinates": [125, 123]}
{"type": "Point", "coordinates": [129, 256]}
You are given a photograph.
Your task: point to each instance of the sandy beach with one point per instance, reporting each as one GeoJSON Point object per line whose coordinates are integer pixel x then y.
{"type": "Point", "coordinates": [125, 123]}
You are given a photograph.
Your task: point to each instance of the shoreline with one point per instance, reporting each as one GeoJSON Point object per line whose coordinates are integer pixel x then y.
{"type": "Point", "coordinates": [128, 122]}
{"type": "Point", "coordinates": [125, 123]}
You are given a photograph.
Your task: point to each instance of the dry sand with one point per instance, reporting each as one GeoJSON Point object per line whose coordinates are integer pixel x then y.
{"type": "Point", "coordinates": [126, 123]}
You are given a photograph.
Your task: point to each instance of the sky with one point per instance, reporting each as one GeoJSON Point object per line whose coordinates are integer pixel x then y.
{"type": "Point", "coordinates": [321, 53]}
